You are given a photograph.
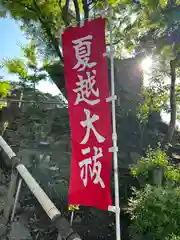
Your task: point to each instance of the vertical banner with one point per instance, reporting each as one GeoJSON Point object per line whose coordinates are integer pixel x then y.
{"type": "Point", "coordinates": [86, 75]}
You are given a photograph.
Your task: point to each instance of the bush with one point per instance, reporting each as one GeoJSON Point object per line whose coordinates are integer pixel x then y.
{"type": "Point", "coordinates": [172, 174]}
{"type": "Point", "coordinates": [173, 237]}
{"type": "Point", "coordinates": [156, 159]}
{"type": "Point", "coordinates": [155, 213]}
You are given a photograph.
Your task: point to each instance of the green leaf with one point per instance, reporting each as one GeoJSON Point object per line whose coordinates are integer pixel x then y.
{"type": "Point", "coordinates": [30, 54]}
{"type": "Point", "coordinates": [163, 3]}
{"type": "Point", "coordinates": [16, 66]}
{"type": "Point", "coordinates": [167, 52]}
{"type": "Point", "coordinates": [4, 88]}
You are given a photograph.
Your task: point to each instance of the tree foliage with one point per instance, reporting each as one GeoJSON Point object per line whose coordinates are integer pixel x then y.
{"type": "Point", "coordinates": [154, 30]}
{"type": "Point", "coordinates": [4, 91]}
{"type": "Point", "coordinates": [156, 159]}
{"type": "Point", "coordinates": [4, 88]}
{"type": "Point", "coordinates": [153, 208]}
{"type": "Point", "coordinates": [40, 19]}
{"type": "Point", "coordinates": [26, 68]}
{"type": "Point", "coordinates": [155, 213]}
{"type": "Point", "coordinates": [44, 20]}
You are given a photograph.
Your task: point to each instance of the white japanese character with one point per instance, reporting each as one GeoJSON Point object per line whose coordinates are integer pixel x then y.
{"type": "Point", "coordinates": [83, 51]}
{"type": "Point", "coordinates": [86, 88]}
{"type": "Point", "coordinates": [88, 123]}
{"type": "Point", "coordinates": [84, 166]}
{"type": "Point", "coordinates": [95, 167]}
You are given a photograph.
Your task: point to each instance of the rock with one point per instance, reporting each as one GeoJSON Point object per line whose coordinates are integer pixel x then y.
{"type": "Point", "coordinates": [161, 136]}
{"type": "Point", "coordinates": [6, 159]}
{"type": "Point", "coordinates": [3, 227]}
{"type": "Point", "coordinates": [77, 219]}
{"type": "Point", "coordinates": [2, 202]}
{"type": "Point", "coordinates": [2, 176]}
{"type": "Point", "coordinates": [3, 190]}
{"type": "Point", "coordinates": [19, 231]}
{"type": "Point", "coordinates": [176, 156]}
{"type": "Point", "coordinates": [122, 155]}
{"type": "Point", "coordinates": [135, 156]}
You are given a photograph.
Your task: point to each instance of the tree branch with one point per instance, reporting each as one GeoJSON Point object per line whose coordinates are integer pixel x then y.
{"type": "Point", "coordinates": [65, 13]}
{"type": "Point", "coordinates": [171, 128]}
{"type": "Point", "coordinates": [45, 23]}
{"type": "Point", "coordinates": [86, 10]}
{"type": "Point", "coordinates": [170, 3]}
{"type": "Point", "coordinates": [76, 6]}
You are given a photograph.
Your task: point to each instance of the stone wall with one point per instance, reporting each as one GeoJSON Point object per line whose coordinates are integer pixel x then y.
{"type": "Point", "coordinates": [128, 83]}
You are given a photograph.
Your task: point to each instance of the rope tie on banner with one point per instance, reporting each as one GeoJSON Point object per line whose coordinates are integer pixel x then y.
{"type": "Point", "coordinates": [114, 209]}
{"type": "Point", "coordinates": [111, 98]}
{"type": "Point", "coordinates": [114, 135]}
{"type": "Point", "coordinates": [113, 149]}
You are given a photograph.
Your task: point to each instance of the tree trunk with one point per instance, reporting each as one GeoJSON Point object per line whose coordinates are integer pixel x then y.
{"type": "Point", "coordinates": [171, 128]}
{"type": "Point", "coordinates": [47, 28]}
{"type": "Point", "coordinates": [65, 13]}
{"type": "Point", "coordinates": [86, 10]}
{"type": "Point", "coordinates": [76, 6]}
{"type": "Point", "coordinates": [171, 3]}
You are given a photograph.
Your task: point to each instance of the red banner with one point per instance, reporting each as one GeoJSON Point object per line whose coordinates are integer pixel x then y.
{"type": "Point", "coordinates": [86, 75]}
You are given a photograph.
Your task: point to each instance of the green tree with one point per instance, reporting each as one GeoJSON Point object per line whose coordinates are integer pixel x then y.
{"type": "Point", "coordinates": [4, 87]}
{"type": "Point", "coordinates": [138, 25]}
{"type": "Point", "coordinates": [152, 27]}
{"type": "Point", "coordinates": [38, 18]}
{"type": "Point", "coordinates": [4, 91]}
{"type": "Point", "coordinates": [42, 20]}
{"type": "Point", "coordinates": [26, 68]}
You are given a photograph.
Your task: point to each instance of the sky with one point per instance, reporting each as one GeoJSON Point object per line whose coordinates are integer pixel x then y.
{"type": "Point", "coordinates": [11, 38]}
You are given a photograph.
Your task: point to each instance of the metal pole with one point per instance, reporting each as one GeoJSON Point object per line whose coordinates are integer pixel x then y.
{"type": "Point", "coordinates": [114, 134]}
{"type": "Point", "coordinates": [16, 199]}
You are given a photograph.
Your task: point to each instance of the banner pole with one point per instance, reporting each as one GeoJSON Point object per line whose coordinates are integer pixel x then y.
{"type": "Point", "coordinates": [114, 134]}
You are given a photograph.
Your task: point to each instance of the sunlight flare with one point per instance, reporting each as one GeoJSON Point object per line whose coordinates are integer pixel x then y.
{"type": "Point", "coordinates": [146, 64]}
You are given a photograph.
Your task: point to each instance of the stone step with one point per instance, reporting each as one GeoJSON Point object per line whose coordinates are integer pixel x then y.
{"type": "Point", "coordinates": [3, 195]}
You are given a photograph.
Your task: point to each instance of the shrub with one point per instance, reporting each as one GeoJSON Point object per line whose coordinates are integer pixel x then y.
{"type": "Point", "coordinates": [155, 213]}
{"type": "Point", "coordinates": [146, 165]}
{"type": "Point", "coordinates": [156, 159]}
{"type": "Point", "coordinates": [173, 237]}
